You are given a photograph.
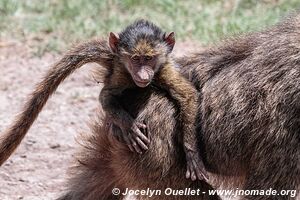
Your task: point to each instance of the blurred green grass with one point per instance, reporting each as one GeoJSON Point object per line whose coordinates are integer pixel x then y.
{"type": "Point", "coordinates": [56, 24]}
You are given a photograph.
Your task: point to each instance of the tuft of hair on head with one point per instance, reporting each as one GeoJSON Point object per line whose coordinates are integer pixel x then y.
{"type": "Point", "coordinates": [140, 30]}
{"type": "Point", "coordinates": [147, 34]}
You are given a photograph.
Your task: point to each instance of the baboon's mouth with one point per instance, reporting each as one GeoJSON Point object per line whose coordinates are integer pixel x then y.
{"type": "Point", "coordinates": [142, 83]}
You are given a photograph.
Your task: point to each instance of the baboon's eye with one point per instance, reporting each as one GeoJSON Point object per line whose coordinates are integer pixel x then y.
{"type": "Point", "coordinates": [148, 57]}
{"type": "Point", "coordinates": [135, 58]}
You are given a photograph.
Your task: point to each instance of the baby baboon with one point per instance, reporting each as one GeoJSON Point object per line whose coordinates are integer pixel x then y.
{"type": "Point", "coordinates": [250, 122]}
{"type": "Point", "coordinates": [142, 58]}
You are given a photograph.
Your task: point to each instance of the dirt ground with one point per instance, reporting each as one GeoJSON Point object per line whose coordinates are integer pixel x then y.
{"type": "Point", "coordinates": [38, 169]}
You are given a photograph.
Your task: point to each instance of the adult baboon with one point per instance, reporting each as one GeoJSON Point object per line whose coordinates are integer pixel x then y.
{"type": "Point", "coordinates": [250, 120]}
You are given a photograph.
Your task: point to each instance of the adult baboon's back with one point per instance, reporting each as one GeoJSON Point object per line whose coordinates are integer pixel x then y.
{"type": "Point", "coordinates": [250, 107]}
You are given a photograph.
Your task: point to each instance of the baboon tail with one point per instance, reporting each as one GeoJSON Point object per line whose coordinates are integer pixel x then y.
{"type": "Point", "coordinates": [92, 51]}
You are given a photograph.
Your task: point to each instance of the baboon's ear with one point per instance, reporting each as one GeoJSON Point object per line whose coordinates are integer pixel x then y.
{"type": "Point", "coordinates": [170, 40]}
{"type": "Point", "coordinates": [113, 41]}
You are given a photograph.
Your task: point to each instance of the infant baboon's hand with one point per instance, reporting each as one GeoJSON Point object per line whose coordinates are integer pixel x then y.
{"type": "Point", "coordinates": [136, 138]}
{"type": "Point", "coordinates": [195, 166]}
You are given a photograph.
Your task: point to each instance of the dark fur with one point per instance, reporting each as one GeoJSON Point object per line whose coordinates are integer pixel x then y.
{"type": "Point", "coordinates": [250, 122]}
{"type": "Point", "coordinates": [141, 29]}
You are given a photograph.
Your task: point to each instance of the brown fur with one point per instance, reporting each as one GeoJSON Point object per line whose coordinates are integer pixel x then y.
{"type": "Point", "coordinates": [143, 48]}
{"type": "Point", "coordinates": [250, 89]}
{"type": "Point", "coordinates": [116, 77]}
{"type": "Point", "coordinates": [250, 122]}
{"type": "Point", "coordinates": [106, 163]}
